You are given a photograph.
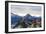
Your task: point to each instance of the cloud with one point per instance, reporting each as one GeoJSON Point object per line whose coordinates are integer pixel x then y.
{"type": "Point", "coordinates": [22, 9]}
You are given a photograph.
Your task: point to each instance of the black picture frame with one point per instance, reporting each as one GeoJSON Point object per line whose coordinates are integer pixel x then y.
{"type": "Point", "coordinates": [6, 16]}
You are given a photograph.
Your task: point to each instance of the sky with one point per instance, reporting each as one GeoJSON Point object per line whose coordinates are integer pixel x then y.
{"type": "Point", "coordinates": [22, 10]}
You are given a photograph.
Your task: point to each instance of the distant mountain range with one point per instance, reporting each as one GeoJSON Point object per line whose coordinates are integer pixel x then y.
{"type": "Point", "coordinates": [15, 19]}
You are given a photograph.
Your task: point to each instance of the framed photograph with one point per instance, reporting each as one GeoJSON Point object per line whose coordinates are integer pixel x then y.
{"type": "Point", "coordinates": [24, 16]}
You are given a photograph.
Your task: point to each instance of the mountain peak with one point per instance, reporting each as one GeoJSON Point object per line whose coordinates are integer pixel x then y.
{"type": "Point", "coordinates": [28, 15]}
